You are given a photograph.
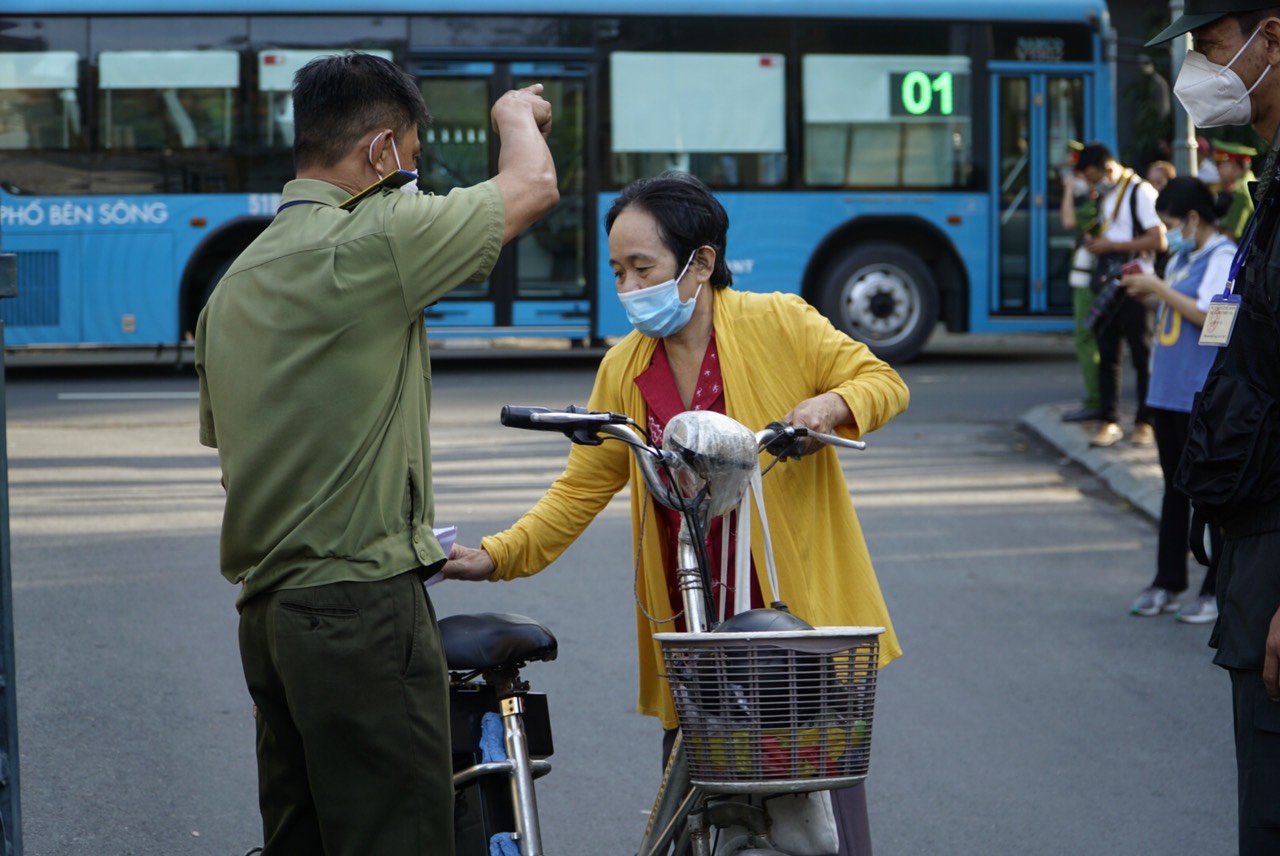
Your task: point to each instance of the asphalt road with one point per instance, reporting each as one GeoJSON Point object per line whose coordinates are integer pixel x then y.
{"type": "Point", "coordinates": [1030, 713]}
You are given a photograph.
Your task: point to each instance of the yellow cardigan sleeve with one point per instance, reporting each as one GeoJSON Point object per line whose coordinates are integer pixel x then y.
{"type": "Point", "coordinates": [593, 475]}
{"type": "Point", "coordinates": [872, 389]}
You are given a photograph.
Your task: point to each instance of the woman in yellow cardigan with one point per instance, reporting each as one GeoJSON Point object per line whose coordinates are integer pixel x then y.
{"type": "Point", "coordinates": [756, 357]}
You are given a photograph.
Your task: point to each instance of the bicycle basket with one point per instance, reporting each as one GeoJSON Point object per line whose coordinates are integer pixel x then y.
{"type": "Point", "coordinates": [779, 711]}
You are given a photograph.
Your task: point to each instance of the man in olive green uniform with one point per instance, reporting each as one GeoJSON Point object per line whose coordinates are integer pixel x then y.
{"type": "Point", "coordinates": [315, 389]}
{"type": "Point", "coordinates": [1235, 163]}
{"type": "Point", "coordinates": [1079, 215]}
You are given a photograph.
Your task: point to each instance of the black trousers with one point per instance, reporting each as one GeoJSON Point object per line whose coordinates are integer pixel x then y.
{"type": "Point", "coordinates": [1175, 509]}
{"type": "Point", "coordinates": [353, 720]}
{"type": "Point", "coordinates": [1257, 726]}
{"type": "Point", "coordinates": [1132, 324]}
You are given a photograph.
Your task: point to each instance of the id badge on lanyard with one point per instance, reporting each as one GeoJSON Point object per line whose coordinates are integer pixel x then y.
{"type": "Point", "coordinates": [1220, 320]}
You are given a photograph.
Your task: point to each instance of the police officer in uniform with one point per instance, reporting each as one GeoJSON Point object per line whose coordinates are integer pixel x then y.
{"type": "Point", "coordinates": [1235, 205]}
{"type": "Point", "coordinates": [1231, 464]}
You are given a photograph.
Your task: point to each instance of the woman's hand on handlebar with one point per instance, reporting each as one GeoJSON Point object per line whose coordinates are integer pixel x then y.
{"type": "Point", "coordinates": [822, 413]}
{"type": "Point", "coordinates": [468, 563]}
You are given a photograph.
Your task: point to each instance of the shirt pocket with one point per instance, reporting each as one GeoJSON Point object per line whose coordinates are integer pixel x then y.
{"type": "Point", "coordinates": [1232, 419]}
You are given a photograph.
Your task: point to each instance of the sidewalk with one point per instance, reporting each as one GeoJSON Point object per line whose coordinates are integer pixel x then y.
{"type": "Point", "coordinates": [1131, 472]}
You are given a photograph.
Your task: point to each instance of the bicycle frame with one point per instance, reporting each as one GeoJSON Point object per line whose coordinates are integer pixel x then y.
{"type": "Point", "coordinates": [715, 454]}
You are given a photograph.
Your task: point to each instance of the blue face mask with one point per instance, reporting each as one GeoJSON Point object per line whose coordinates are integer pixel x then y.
{"type": "Point", "coordinates": [656, 311]}
{"type": "Point", "coordinates": [1179, 243]}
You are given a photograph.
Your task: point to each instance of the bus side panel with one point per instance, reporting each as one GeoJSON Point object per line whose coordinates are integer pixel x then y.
{"type": "Point", "coordinates": [105, 271]}
{"type": "Point", "coordinates": [47, 308]}
{"type": "Point", "coordinates": [774, 239]}
{"type": "Point", "coordinates": [128, 292]}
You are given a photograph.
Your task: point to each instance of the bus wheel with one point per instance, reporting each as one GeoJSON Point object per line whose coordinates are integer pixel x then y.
{"type": "Point", "coordinates": [884, 296]}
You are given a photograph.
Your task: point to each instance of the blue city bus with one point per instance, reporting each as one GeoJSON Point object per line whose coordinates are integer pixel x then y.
{"type": "Point", "coordinates": [898, 164]}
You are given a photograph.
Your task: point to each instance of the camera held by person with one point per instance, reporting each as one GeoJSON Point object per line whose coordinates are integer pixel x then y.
{"type": "Point", "coordinates": [1112, 293]}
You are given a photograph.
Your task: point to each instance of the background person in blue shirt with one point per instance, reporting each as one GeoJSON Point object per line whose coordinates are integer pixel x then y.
{"type": "Point", "coordinates": [1199, 265]}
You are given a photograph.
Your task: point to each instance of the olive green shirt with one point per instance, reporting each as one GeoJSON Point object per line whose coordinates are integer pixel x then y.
{"type": "Point", "coordinates": [315, 381]}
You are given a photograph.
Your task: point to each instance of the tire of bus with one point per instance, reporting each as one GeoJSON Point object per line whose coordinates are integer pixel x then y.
{"type": "Point", "coordinates": [883, 295]}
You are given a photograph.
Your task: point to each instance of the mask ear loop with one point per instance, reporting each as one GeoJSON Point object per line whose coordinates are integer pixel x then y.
{"type": "Point", "coordinates": [1243, 48]}
{"type": "Point", "coordinates": [373, 143]}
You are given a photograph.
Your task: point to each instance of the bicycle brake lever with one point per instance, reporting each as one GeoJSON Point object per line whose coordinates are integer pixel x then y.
{"type": "Point", "coordinates": [789, 443]}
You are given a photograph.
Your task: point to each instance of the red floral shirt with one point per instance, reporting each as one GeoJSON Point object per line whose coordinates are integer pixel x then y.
{"type": "Point", "coordinates": [658, 386]}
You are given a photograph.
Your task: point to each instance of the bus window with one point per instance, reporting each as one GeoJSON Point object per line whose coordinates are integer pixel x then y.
{"type": "Point", "coordinates": [551, 258]}
{"type": "Point", "coordinates": [167, 100]}
{"type": "Point", "coordinates": [38, 104]}
{"type": "Point", "coordinates": [1066, 122]}
{"type": "Point", "coordinates": [276, 68]}
{"type": "Point", "coordinates": [721, 117]}
{"type": "Point", "coordinates": [886, 121]}
{"type": "Point", "coordinates": [455, 149]}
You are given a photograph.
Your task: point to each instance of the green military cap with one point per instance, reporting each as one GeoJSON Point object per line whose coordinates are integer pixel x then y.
{"type": "Point", "coordinates": [1200, 13]}
{"type": "Point", "coordinates": [1224, 151]}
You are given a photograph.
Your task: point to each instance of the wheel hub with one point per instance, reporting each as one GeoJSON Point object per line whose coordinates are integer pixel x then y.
{"type": "Point", "coordinates": [881, 303]}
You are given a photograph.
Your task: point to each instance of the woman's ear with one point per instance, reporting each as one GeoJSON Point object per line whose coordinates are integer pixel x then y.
{"type": "Point", "coordinates": [705, 259]}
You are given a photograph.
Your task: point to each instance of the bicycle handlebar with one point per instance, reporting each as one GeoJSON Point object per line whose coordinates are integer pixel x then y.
{"type": "Point", "coordinates": [565, 421]}
{"type": "Point", "coordinates": [781, 440]}
{"type": "Point", "coordinates": [788, 441]}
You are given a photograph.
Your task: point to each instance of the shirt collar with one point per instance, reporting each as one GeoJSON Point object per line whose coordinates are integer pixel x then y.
{"type": "Point", "coordinates": [313, 190]}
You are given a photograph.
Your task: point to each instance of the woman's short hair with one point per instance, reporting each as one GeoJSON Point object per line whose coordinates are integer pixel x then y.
{"type": "Point", "coordinates": [1185, 194]}
{"type": "Point", "coordinates": [687, 214]}
{"type": "Point", "coordinates": [338, 99]}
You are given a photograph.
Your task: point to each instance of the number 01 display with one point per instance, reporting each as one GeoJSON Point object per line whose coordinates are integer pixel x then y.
{"type": "Point", "coordinates": [921, 93]}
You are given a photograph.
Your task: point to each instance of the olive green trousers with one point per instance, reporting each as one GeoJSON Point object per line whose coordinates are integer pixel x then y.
{"type": "Point", "coordinates": [352, 700]}
{"type": "Point", "coordinates": [1086, 347]}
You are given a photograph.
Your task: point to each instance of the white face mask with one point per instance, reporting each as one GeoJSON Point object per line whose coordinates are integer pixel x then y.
{"type": "Point", "coordinates": [1079, 187]}
{"type": "Point", "coordinates": [412, 185]}
{"type": "Point", "coordinates": [1213, 94]}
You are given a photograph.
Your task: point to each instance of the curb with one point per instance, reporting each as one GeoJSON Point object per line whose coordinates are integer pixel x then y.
{"type": "Point", "coordinates": [1131, 472]}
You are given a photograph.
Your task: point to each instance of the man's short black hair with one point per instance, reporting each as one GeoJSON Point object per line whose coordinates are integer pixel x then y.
{"type": "Point", "coordinates": [1094, 155]}
{"type": "Point", "coordinates": [337, 100]}
{"type": "Point", "coordinates": [688, 217]}
{"type": "Point", "coordinates": [1249, 21]}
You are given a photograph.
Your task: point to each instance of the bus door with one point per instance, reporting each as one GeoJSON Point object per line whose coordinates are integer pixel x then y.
{"type": "Point", "coordinates": [539, 285]}
{"type": "Point", "coordinates": [1035, 113]}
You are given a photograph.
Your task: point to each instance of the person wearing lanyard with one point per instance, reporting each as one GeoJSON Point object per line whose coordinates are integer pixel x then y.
{"type": "Point", "coordinates": [1231, 464]}
{"type": "Point", "coordinates": [1200, 261]}
{"type": "Point", "coordinates": [700, 344]}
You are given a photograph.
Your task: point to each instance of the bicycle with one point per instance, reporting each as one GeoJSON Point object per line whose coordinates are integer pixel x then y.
{"type": "Point", "coordinates": [767, 705]}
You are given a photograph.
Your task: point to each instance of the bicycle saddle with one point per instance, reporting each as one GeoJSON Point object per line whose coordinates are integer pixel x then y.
{"type": "Point", "coordinates": [492, 640]}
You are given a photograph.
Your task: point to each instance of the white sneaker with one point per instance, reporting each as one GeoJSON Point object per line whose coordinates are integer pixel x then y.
{"type": "Point", "coordinates": [1108, 434]}
{"type": "Point", "coordinates": [1202, 610]}
{"type": "Point", "coordinates": [1153, 601]}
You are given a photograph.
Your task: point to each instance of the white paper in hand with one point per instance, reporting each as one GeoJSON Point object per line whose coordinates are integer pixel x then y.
{"type": "Point", "coordinates": [446, 536]}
